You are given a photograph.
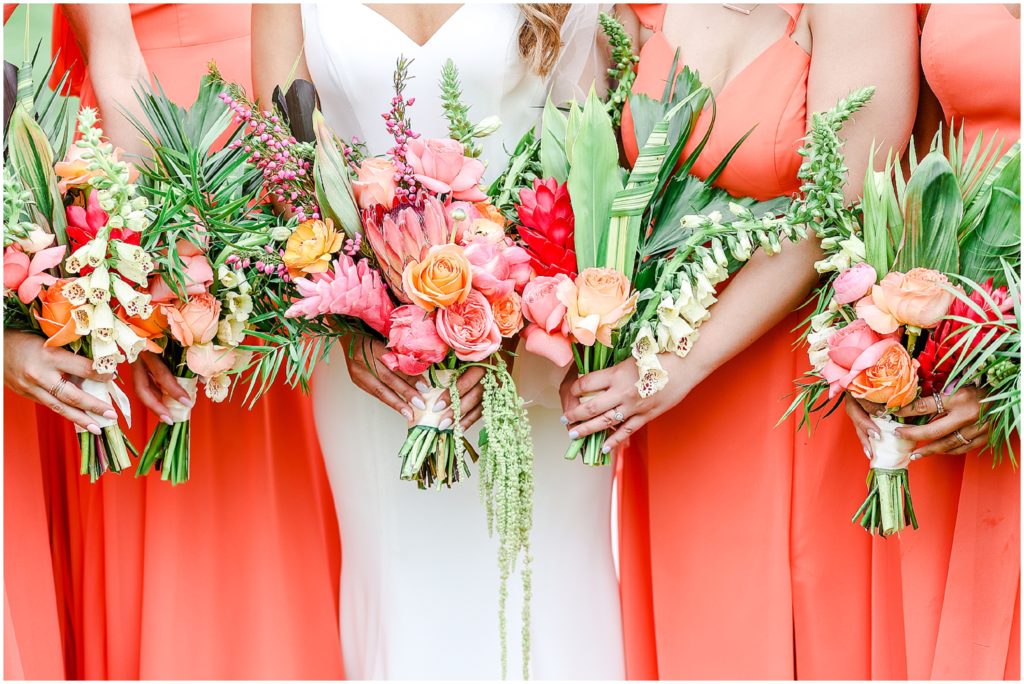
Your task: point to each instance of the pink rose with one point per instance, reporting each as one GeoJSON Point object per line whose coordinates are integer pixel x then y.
{"type": "Point", "coordinates": [918, 297]}
{"type": "Point", "coordinates": [207, 360]}
{"type": "Point", "coordinates": [413, 342]}
{"type": "Point", "coordinates": [847, 355]}
{"type": "Point", "coordinates": [854, 283]}
{"type": "Point", "coordinates": [547, 334]}
{"type": "Point", "coordinates": [375, 183]}
{"type": "Point", "coordinates": [195, 321]}
{"type": "Point", "coordinates": [498, 268]}
{"type": "Point", "coordinates": [197, 271]}
{"type": "Point", "coordinates": [469, 328]}
{"type": "Point", "coordinates": [598, 302]}
{"type": "Point", "coordinates": [441, 167]}
{"type": "Point", "coordinates": [29, 275]}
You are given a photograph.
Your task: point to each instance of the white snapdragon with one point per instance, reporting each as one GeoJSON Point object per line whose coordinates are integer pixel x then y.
{"type": "Point", "coordinates": [217, 387]}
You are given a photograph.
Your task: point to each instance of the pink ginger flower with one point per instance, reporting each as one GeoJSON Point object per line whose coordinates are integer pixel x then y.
{"type": "Point", "coordinates": [350, 289]}
{"type": "Point", "coordinates": [29, 275]}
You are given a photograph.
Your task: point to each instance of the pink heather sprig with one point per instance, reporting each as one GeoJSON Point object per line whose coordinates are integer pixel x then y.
{"type": "Point", "coordinates": [268, 262]}
{"type": "Point", "coordinates": [272, 149]}
{"type": "Point", "coordinates": [399, 126]}
{"type": "Point", "coordinates": [353, 245]}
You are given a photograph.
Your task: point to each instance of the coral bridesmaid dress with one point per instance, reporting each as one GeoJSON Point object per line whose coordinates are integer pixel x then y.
{"type": "Point", "coordinates": [234, 574]}
{"type": "Point", "coordinates": [738, 559]}
{"type": "Point", "coordinates": [952, 588]}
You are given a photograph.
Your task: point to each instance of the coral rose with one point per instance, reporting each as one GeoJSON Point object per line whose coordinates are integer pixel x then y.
{"type": "Point", "coordinates": [919, 298]}
{"type": "Point", "coordinates": [375, 183]}
{"type": "Point", "coordinates": [197, 274]}
{"type": "Point", "coordinates": [547, 334]}
{"type": "Point", "coordinates": [498, 268]}
{"type": "Point", "coordinates": [208, 360]}
{"type": "Point", "coordinates": [854, 283]}
{"type": "Point", "coordinates": [310, 247]}
{"type": "Point", "coordinates": [597, 303]}
{"type": "Point", "coordinates": [442, 279]}
{"type": "Point", "coordinates": [469, 328]}
{"type": "Point", "coordinates": [846, 359]}
{"type": "Point", "coordinates": [54, 316]}
{"type": "Point", "coordinates": [508, 314]}
{"type": "Point", "coordinates": [413, 344]}
{"type": "Point", "coordinates": [195, 321]}
{"type": "Point", "coordinates": [441, 166]}
{"type": "Point", "coordinates": [891, 379]}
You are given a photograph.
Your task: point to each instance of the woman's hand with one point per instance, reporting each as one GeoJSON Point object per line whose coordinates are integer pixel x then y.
{"type": "Point", "coordinates": [50, 376]}
{"type": "Point", "coordinates": [615, 403]}
{"type": "Point", "coordinates": [153, 379]}
{"type": "Point", "coordinates": [370, 374]}
{"type": "Point", "coordinates": [959, 416]}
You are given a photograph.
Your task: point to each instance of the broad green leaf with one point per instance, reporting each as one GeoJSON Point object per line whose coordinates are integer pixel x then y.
{"type": "Point", "coordinates": [997, 236]}
{"type": "Point", "coordinates": [931, 217]}
{"type": "Point", "coordinates": [553, 157]}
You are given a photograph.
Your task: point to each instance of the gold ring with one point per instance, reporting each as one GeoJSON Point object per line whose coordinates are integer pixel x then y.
{"type": "Point", "coordinates": [939, 408]}
{"type": "Point", "coordinates": [56, 390]}
{"type": "Point", "coordinates": [960, 438]}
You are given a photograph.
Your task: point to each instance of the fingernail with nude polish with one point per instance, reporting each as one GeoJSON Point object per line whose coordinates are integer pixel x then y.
{"type": "Point", "coordinates": [407, 413]}
{"type": "Point", "coordinates": [418, 403]}
{"type": "Point", "coordinates": [874, 435]}
{"type": "Point", "coordinates": [914, 457]}
{"type": "Point", "coordinates": [867, 454]}
{"type": "Point", "coordinates": [109, 413]}
{"type": "Point", "coordinates": [606, 449]}
{"type": "Point", "coordinates": [573, 434]}
{"type": "Point", "coordinates": [422, 386]}
{"type": "Point", "coordinates": [564, 420]}
{"type": "Point", "coordinates": [444, 424]}
{"type": "Point", "coordinates": [439, 406]}
{"type": "Point", "coordinates": [187, 402]}
{"type": "Point", "coordinates": [93, 428]}
{"type": "Point", "coordinates": [167, 419]}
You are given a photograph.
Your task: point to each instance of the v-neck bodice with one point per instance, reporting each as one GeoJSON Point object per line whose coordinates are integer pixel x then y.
{"type": "Point", "coordinates": [768, 95]}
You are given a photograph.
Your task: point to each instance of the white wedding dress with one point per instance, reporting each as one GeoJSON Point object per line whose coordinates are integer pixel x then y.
{"type": "Point", "coordinates": [419, 579]}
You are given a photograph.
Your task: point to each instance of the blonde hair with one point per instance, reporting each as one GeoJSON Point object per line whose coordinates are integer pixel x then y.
{"type": "Point", "coordinates": [540, 38]}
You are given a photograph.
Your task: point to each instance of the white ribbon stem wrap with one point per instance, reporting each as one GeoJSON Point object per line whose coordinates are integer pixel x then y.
{"type": "Point", "coordinates": [890, 452]}
{"type": "Point", "coordinates": [428, 417]}
{"type": "Point", "coordinates": [107, 392]}
{"type": "Point", "coordinates": [179, 412]}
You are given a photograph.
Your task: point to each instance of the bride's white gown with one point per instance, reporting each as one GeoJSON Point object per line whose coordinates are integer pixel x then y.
{"type": "Point", "coordinates": [419, 579]}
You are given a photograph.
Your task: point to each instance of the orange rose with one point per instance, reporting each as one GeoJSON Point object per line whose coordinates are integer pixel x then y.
{"type": "Point", "coordinates": [490, 212]}
{"type": "Point", "coordinates": [442, 279]}
{"type": "Point", "coordinates": [892, 380]}
{"type": "Point", "coordinates": [597, 303]}
{"type": "Point", "coordinates": [151, 329]}
{"type": "Point", "coordinates": [508, 314]}
{"type": "Point", "coordinates": [310, 247]}
{"type": "Point", "coordinates": [54, 316]}
{"type": "Point", "coordinates": [918, 297]}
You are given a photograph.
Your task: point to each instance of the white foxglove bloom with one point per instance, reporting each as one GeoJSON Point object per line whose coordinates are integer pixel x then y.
{"type": "Point", "coordinates": [99, 286]}
{"type": "Point", "coordinates": [740, 211]}
{"type": "Point", "coordinates": [97, 253]}
{"type": "Point", "coordinates": [854, 249]}
{"type": "Point", "coordinates": [712, 270]}
{"type": "Point", "coordinates": [135, 303]}
{"type": "Point", "coordinates": [78, 259]}
{"type": "Point", "coordinates": [217, 387]}
{"type": "Point", "coordinates": [692, 221]}
{"type": "Point", "coordinates": [819, 339]}
{"type": "Point", "coordinates": [105, 355]}
{"type": "Point", "coordinates": [137, 273]}
{"type": "Point", "coordinates": [127, 339]}
{"type": "Point", "coordinates": [744, 247]}
{"type": "Point", "coordinates": [102, 322]}
{"type": "Point", "coordinates": [694, 313]}
{"type": "Point", "coordinates": [82, 316]}
{"type": "Point", "coordinates": [139, 203]}
{"type": "Point", "coordinates": [719, 253]}
{"type": "Point", "coordinates": [715, 216]}
{"type": "Point", "coordinates": [127, 252]}
{"type": "Point", "coordinates": [487, 127]}
{"type": "Point", "coordinates": [644, 346]}
{"type": "Point", "coordinates": [230, 331]}
{"type": "Point", "coordinates": [136, 221]}
{"type": "Point", "coordinates": [76, 291]}
{"type": "Point", "coordinates": [653, 379]}
{"type": "Point", "coordinates": [240, 305]}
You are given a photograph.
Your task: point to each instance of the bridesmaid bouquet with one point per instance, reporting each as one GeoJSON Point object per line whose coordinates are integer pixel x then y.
{"type": "Point", "coordinates": [93, 301]}
{"type": "Point", "coordinates": [629, 259]}
{"type": "Point", "coordinates": [921, 295]}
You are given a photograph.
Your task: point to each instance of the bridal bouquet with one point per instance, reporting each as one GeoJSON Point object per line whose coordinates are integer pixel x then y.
{"type": "Point", "coordinates": [629, 260]}
{"type": "Point", "coordinates": [921, 295]}
{"type": "Point", "coordinates": [88, 207]}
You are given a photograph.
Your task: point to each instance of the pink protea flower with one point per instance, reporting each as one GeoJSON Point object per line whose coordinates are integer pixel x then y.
{"type": "Point", "coordinates": [350, 289]}
{"type": "Point", "coordinates": [406, 234]}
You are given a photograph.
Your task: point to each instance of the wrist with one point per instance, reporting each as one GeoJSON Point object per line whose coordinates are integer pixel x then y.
{"type": "Point", "coordinates": [684, 374]}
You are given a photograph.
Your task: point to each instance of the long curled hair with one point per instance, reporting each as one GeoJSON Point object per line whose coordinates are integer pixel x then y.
{"type": "Point", "coordinates": [540, 38]}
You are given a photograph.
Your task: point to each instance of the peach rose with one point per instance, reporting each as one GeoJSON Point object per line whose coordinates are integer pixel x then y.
{"type": "Point", "coordinates": [195, 321]}
{"type": "Point", "coordinates": [196, 269]}
{"type": "Point", "coordinates": [854, 283]}
{"type": "Point", "coordinates": [469, 328]}
{"type": "Point", "coordinates": [547, 333]}
{"type": "Point", "coordinates": [508, 314]}
{"type": "Point", "coordinates": [596, 304]}
{"type": "Point", "coordinates": [310, 247]}
{"type": "Point", "coordinates": [375, 183]}
{"type": "Point", "coordinates": [207, 360]}
{"type": "Point", "coordinates": [918, 298]}
{"type": "Point", "coordinates": [54, 316]}
{"type": "Point", "coordinates": [891, 379]}
{"type": "Point", "coordinates": [443, 279]}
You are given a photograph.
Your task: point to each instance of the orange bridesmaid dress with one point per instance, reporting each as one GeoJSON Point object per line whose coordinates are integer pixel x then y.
{"type": "Point", "coordinates": [233, 575]}
{"type": "Point", "coordinates": [952, 587]}
{"type": "Point", "coordinates": [738, 559]}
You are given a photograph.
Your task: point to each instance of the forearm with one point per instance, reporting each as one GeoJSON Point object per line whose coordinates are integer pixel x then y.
{"type": "Point", "coordinates": [277, 49]}
{"type": "Point", "coordinates": [115, 66]}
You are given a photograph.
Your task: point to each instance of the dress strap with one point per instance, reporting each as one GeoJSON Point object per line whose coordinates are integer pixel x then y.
{"type": "Point", "coordinates": [651, 16]}
{"type": "Point", "coordinates": [793, 10]}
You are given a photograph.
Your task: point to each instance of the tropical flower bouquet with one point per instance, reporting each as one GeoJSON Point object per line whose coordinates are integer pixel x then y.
{"type": "Point", "coordinates": [93, 301]}
{"type": "Point", "coordinates": [921, 296]}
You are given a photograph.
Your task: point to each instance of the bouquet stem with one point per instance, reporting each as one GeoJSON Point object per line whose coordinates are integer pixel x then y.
{"type": "Point", "coordinates": [170, 445]}
{"type": "Point", "coordinates": [888, 507]}
{"type": "Point", "coordinates": [429, 455]}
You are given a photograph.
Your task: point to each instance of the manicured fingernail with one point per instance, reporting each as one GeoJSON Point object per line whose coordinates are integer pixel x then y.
{"type": "Point", "coordinates": [605, 449]}
{"type": "Point", "coordinates": [874, 435]}
{"type": "Point", "coordinates": [880, 413]}
{"type": "Point", "coordinates": [867, 454]}
{"type": "Point", "coordinates": [110, 413]}
{"type": "Point", "coordinates": [565, 421]}
{"type": "Point", "coordinates": [187, 402]}
{"type": "Point", "coordinates": [439, 406]}
{"type": "Point", "coordinates": [407, 413]}
{"type": "Point", "coordinates": [422, 386]}
{"type": "Point", "coordinates": [444, 424]}
{"type": "Point", "coordinates": [418, 403]}
{"type": "Point", "coordinates": [167, 419]}
{"type": "Point", "coordinates": [93, 428]}
{"type": "Point", "coordinates": [573, 434]}
{"type": "Point", "coordinates": [914, 457]}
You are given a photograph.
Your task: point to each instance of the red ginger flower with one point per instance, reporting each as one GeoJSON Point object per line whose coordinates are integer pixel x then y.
{"type": "Point", "coordinates": [546, 227]}
{"type": "Point", "coordinates": [935, 369]}
{"type": "Point", "coordinates": [85, 222]}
